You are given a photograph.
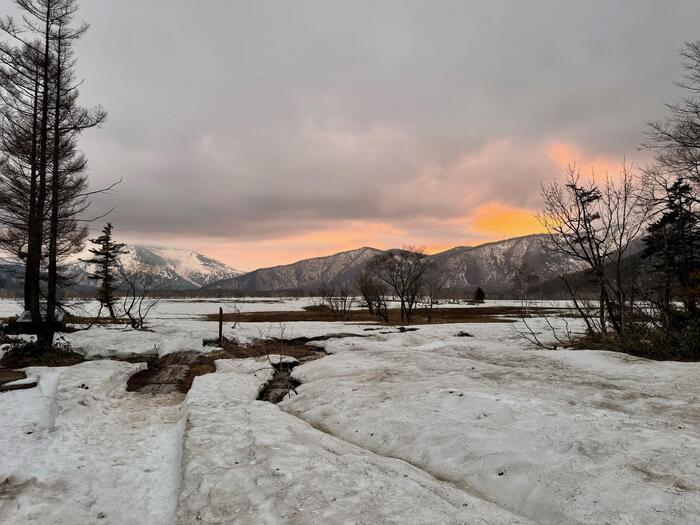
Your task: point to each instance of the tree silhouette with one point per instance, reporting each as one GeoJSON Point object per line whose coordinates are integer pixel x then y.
{"type": "Point", "coordinates": [106, 261]}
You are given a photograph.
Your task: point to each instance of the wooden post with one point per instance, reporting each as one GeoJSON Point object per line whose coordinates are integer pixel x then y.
{"type": "Point", "coordinates": [221, 325]}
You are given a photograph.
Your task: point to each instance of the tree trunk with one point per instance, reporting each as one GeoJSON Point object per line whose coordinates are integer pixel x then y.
{"type": "Point", "coordinates": [44, 330]}
{"type": "Point", "coordinates": [28, 290]}
{"type": "Point", "coordinates": [51, 297]}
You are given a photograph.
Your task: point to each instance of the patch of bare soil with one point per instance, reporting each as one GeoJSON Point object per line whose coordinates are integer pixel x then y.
{"type": "Point", "coordinates": [8, 376]}
{"type": "Point", "coordinates": [170, 373]}
{"type": "Point", "coordinates": [297, 348]}
{"type": "Point", "coordinates": [87, 320]}
{"type": "Point", "coordinates": [176, 372]}
{"type": "Point", "coordinates": [302, 341]}
{"type": "Point", "coordinates": [281, 384]}
{"type": "Point", "coordinates": [11, 327]}
{"type": "Point", "coordinates": [479, 314]}
{"type": "Point", "coordinates": [25, 354]}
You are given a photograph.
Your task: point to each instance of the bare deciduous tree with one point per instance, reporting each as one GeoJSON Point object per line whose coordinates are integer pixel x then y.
{"type": "Point", "coordinates": [596, 224]}
{"type": "Point", "coordinates": [434, 280]}
{"type": "Point", "coordinates": [524, 280]}
{"type": "Point", "coordinates": [402, 270]}
{"type": "Point", "coordinates": [373, 292]}
{"type": "Point", "coordinates": [339, 299]}
{"type": "Point", "coordinates": [139, 298]}
{"type": "Point", "coordinates": [676, 139]}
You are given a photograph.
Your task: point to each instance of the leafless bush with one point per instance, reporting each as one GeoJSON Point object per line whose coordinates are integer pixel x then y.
{"type": "Point", "coordinates": [560, 338]}
{"type": "Point", "coordinates": [339, 299]}
{"type": "Point", "coordinates": [433, 284]}
{"type": "Point", "coordinates": [373, 292]}
{"type": "Point", "coordinates": [139, 298]}
{"type": "Point", "coordinates": [525, 279]}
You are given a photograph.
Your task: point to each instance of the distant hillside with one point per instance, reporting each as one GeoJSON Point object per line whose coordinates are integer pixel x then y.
{"type": "Point", "coordinates": [307, 274]}
{"type": "Point", "coordinates": [491, 266]}
{"type": "Point", "coordinates": [11, 274]}
{"type": "Point", "coordinates": [633, 265]}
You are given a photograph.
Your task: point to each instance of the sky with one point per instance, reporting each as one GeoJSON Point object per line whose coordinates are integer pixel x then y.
{"type": "Point", "coordinates": [263, 132]}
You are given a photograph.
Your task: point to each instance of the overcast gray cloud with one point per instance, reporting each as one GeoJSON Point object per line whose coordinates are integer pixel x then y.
{"type": "Point", "coordinates": [236, 124]}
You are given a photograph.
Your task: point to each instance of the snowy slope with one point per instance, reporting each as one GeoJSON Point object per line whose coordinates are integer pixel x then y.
{"type": "Point", "coordinates": [180, 269]}
{"type": "Point", "coordinates": [491, 266]}
{"type": "Point", "coordinates": [307, 274]}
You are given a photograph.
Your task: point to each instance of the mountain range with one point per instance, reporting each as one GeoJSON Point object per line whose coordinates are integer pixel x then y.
{"type": "Point", "coordinates": [174, 269]}
{"type": "Point", "coordinates": [492, 266]}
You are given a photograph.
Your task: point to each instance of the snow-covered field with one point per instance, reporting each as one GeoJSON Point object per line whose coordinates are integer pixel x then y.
{"type": "Point", "coordinates": [414, 427]}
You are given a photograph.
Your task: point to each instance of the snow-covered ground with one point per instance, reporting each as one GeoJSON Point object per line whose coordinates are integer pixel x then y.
{"type": "Point", "coordinates": [79, 449]}
{"type": "Point", "coordinates": [557, 437]}
{"type": "Point", "coordinates": [415, 427]}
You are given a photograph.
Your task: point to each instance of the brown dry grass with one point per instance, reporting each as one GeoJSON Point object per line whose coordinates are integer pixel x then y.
{"type": "Point", "coordinates": [176, 372]}
{"type": "Point", "coordinates": [27, 354]}
{"type": "Point", "coordinates": [84, 320]}
{"type": "Point", "coordinates": [479, 314]}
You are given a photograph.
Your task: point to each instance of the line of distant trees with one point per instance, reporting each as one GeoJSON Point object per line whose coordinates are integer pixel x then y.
{"type": "Point", "coordinates": [405, 276]}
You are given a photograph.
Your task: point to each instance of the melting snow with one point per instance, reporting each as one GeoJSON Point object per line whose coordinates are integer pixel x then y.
{"type": "Point", "coordinates": [411, 427]}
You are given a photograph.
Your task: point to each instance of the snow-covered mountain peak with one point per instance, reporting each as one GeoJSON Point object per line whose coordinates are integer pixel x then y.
{"type": "Point", "coordinates": [177, 268]}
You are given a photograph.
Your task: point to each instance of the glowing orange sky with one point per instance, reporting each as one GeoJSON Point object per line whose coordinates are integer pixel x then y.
{"type": "Point", "coordinates": [501, 221]}
{"type": "Point", "coordinates": [564, 155]}
{"type": "Point", "coordinates": [489, 221]}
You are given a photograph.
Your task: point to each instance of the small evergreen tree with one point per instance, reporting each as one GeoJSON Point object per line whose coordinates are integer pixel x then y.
{"type": "Point", "coordinates": [479, 295]}
{"type": "Point", "coordinates": [105, 259]}
{"type": "Point", "coordinates": [673, 245]}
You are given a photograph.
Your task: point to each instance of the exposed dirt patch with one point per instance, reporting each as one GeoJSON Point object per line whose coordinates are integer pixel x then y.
{"type": "Point", "coordinates": [8, 376]}
{"type": "Point", "coordinates": [297, 348]}
{"type": "Point", "coordinates": [175, 372]}
{"type": "Point", "coordinates": [12, 327]}
{"type": "Point", "coordinates": [170, 373]}
{"type": "Point", "coordinates": [26, 354]}
{"type": "Point", "coordinates": [485, 314]}
{"type": "Point", "coordinates": [281, 384]}
{"type": "Point", "coordinates": [102, 321]}
{"type": "Point", "coordinates": [303, 341]}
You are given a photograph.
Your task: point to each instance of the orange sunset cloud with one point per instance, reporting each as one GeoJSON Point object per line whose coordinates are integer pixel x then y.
{"type": "Point", "coordinates": [500, 220]}
{"type": "Point", "coordinates": [489, 222]}
{"type": "Point", "coordinates": [469, 187]}
{"type": "Point", "coordinates": [565, 154]}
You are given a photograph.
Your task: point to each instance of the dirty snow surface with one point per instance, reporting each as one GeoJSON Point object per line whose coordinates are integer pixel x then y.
{"type": "Point", "coordinates": [391, 427]}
